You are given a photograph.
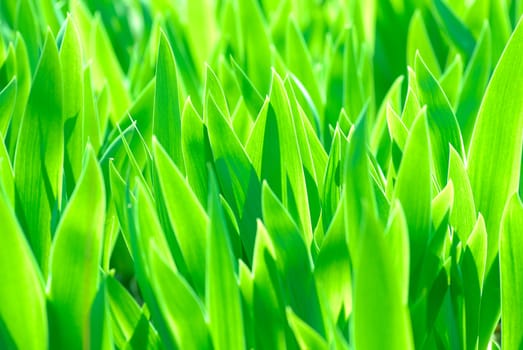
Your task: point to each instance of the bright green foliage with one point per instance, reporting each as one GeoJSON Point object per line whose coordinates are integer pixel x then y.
{"type": "Point", "coordinates": [511, 275]}
{"type": "Point", "coordinates": [75, 257]}
{"type": "Point", "coordinates": [261, 174]}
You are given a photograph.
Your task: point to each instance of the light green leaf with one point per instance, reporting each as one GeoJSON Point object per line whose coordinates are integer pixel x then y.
{"type": "Point", "coordinates": [222, 292]}
{"type": "Point", "coordinates": [214, 88]}
{"type": "Point", "coordinates": [147, 238]}
{"type": "Point", "coordinates": [444, 128]}
{"type": "Point", "coordinates": [73, 103]}
{"type": "Point", "coordinates": [107, 69]}
{"type": "Point", "coordinates": [451, 80]}
{"type": "Point", "coordinates": [195, 147]}
{"type": "Point", "coordinates": [23, 82]}
{"type": "Point", "coordinates": [237, 177]}
{"type": "Point", "coordinates": [397, 237]}
{"type": "Point", "coordinates": [188, 219]}
{"type": "Point", "coordinates": [71, 56]}
{"type": "Point", "coordinates": [27, 23]}
{"type": "Point", "coordinates": [39, 154]}
{"type": "Point", "coordinates": [7, 183]}
{"type": "Point", "coordinates": [293, 261]}
{"type": "Point", "coordinates": [7, 104]}
{"type": "Point", "coordinates": [167, 120]}
{"type": "Point", "coordinates": [511, 262]}
{"type": "Point", "coordinates": [250, 93]}
{"type": "Point", "coordinates": [418, 40]}
{"type": "Point", "coordinates": [359, 193]}
{"type": "Point", "coordinates": [332, 268]}
{"type": "Point", "coordinates": [463, 214]}
{"type": "Point", "coordinates": [23, 315]}
{"type": "Point", "coordinates": [381, 317]}
{"type": "Point", "coordinates": [473, 86]}
{"type": "Point", "coordinates": [307, 337]}
{"type": "Point", "coordinates": [75, 258]}
{"type": "Point", "coordinates": [266, 294]}
{"type": "Point", "coordinates": [292, 181]}
{"type": "Point", "coordinates": [472, 268]}
{"type": "Point", "coordinates": [300, 62]}
{"type": "Point", "coordinates": [180, 307]}
{"type": "Point", "coordinates": [124, 311]}
{"type": "Point", "coordinates": [498, 140]}
{"type": "Point", "coordinates": [257, 54]}
{"type": "Point", "coordinates": [412, 105]}
{"type": "Point", "coordinates": [415, 172]}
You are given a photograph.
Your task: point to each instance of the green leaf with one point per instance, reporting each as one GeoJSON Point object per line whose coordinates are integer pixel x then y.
{"type": "Point", "coordinates": [292, 180]}
{"type": "Point", "coordinates": [474, 83]}
{"type": "Point", "coordinates": [100, 322]}
{"type": "Point", "coordinates": [455, 29]}
{"type": "Point", "coordinates": [300, 62]}
{"type": "Point", "coordinates": [202, 32]}
{"type": "Point", "coordinates": [250, 93]}
{"type": "Point", "coordinates": [266, 294]}
{"type": "Point", "coordinates": [293, 260]}
{"type": "Point", "coordinates": [107, 69]}
{"type": "Point", "coordinates": [472, 266]}
{"type": "Point", "coordinates": [75, 258]}
{"type": "Point", "coordinates": [180, 307]}
{"type": "Point", "coordinates": [148, 238]}
{"type": "Point", "coordinates": [167, 120]}
{"type": "Point", "coordinates": [73, 103]}
{"type": "Point", "coordinates": [39, 154]}
{"type": "Point", "coordinates": [124, 312]}
{"type": "Point", "coordinates": [381, 317]}
{"type": "Point", "coordinates": [237, 177]}
{"type": "Point", "coordinates": [7, 104]}
{"type": "Point", "coordinates": [222, 292]}
{"type": "Point", "coordinates": [71, 57]}
{"type": "Point", "coordinates": [511, 262]}
{"type": "Point", "coordinates": [305, 335]}
{"type": "Point", "coordinates": [27, 24]}
{"type": "Point", "coordinates": [353, 94]}
{"type": "Point", "coordinates": [451, 80]}
{"type": "Point", "coordinates": [463, 214]}
{"type": "Point", "coordinates": [23, 82]}
{"type": "Point", "coordinates": [444, 128]}
{"type": "Point", "coordinates": [332, 268]}
{"type": "Point", "coordinates": [359, 196]}
{"type": "Point", "coordinates": [214, 88]}
{"type": "Point", "coordinates": [6, 174]}
{"type": "Point", "coordinates": [23, 310]}
{"type": "Point", "coordinates": [188, 218]}
{"type": "Point", "coordinates": [415, 172]}
{"type": "Point", "coordinates": [418, 40]}
{"type": "Point", "coordinates": [498, 140]}
{"type": "Point", "coordinates": [196, 153]}
{"type": "Point", "coordinates": [257, 53]}
{"type": "Point", "coordinates": [397, 238]}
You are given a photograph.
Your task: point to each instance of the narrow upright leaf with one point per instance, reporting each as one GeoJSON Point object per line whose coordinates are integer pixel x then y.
{"type": "Point", "coordinates": [22, 310]}
{"type": "Point", "coordinates": [415, 172]}
{"type": "Point", "coordinates": [188, 218]}
{"type": "Point", "coordinates": [167, 119]}
{"type": "Point", "coordinates": [498, 140]}
{"type": "Point", "coordinates": [222, 291]}
{"type": "Point", "coordinates": [75, 258]}
{"type": "Point", "coordinates": [511, 264]}
{"type": "Point", "coordinates": [40, 152]}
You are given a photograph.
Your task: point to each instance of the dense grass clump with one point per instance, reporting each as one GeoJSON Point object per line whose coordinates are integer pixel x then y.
{"type": "Point", "coordinates": [262, 174]}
